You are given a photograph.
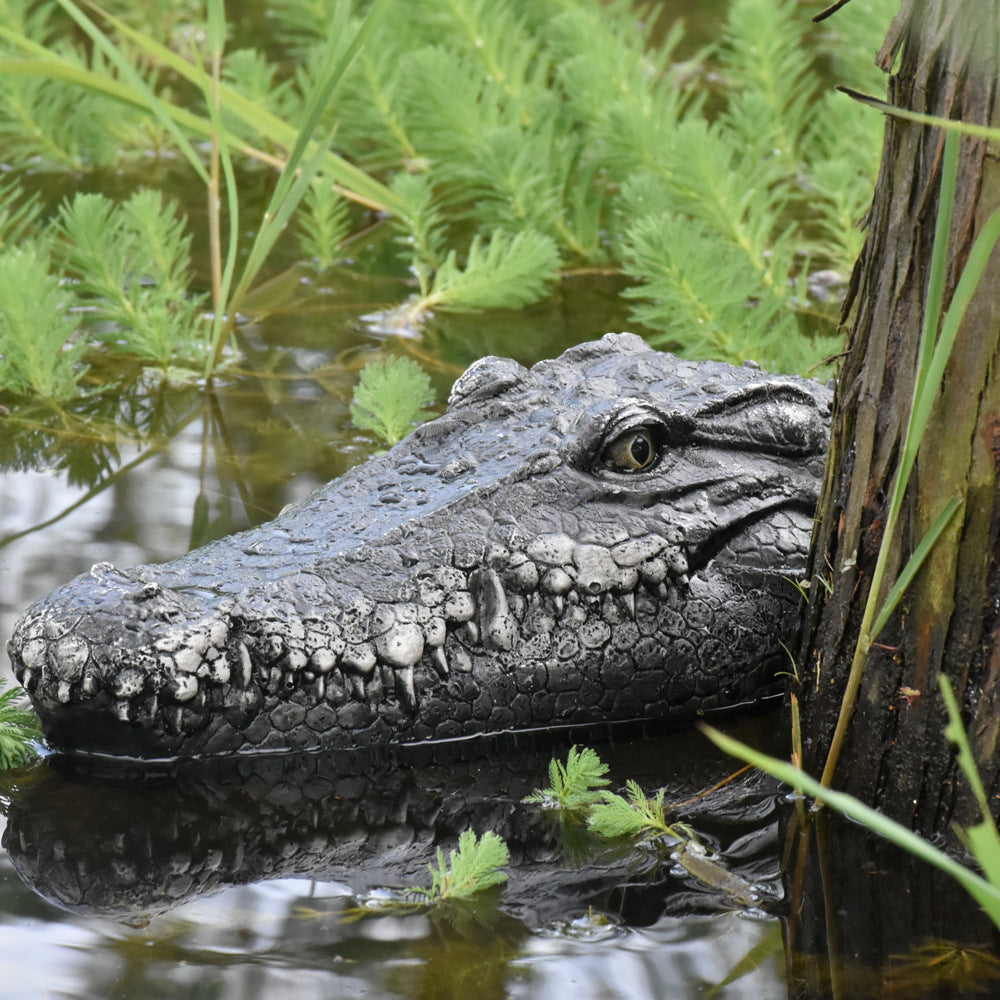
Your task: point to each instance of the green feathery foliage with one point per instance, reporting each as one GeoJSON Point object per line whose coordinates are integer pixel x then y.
{"type": "Point", "coordinates": [131, 262]}
{"type": "Point", "coordinates": [19, 216]}
{"type": "Point", "coordinates": [635, 816]}
{"type": "Point", "coordinates": [507, 141]}
{"type": "Point", "coordinates": [40, 347]}
{"type": "Point", "coordinates": [18, 729]}
{"type": "Point", "coordinates": [574, 785]}
{"type": "Point", "coordinates": [323, 225]}
{"type": "Point", "coordinates": [508, 269]}
{"type": "Point", "coordinates": [471, 869]}
{"type": "Point", "coordinates": [390, 398]}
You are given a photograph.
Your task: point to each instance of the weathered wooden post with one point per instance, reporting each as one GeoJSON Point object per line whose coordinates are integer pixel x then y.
{"type": "Point", "coordinates": [945, 57]}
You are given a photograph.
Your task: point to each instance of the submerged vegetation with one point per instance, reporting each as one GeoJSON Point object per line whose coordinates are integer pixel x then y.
{"type": "Point", "coordinates": [506, 145]}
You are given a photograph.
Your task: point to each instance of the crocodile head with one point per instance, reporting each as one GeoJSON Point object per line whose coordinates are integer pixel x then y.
{"type": "Point", "coordinates": [604, 536]}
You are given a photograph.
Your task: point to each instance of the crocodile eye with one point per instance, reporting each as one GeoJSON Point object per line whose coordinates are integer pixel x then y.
{"type": "Point", "coordinates": [633, 451]}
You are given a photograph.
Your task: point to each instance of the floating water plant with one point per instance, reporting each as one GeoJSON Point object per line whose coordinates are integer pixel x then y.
{"type": "Point", "coordinates": [18, 728]}
{"type": "Point", "coordinates": [390, 398]}
{"type": "Point", "coordinates": [475, 866]}
{"type": "Point", "coordinates": [577, 784]}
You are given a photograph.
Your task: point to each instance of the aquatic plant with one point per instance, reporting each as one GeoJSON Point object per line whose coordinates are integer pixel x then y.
{"type": "Point", "coordinates": [19, 728]}
{"type": "Point", "coordinates": [471, 869]}
{"type": "Point", "coordinates": [391, 398]}
{"type": "Point", "coordinates": [982, 840]}
{"type": "Point", "coordinates": [507, 143]}
{"type": "Point", "coordinates": [575, 785]}
{"type": "Point", "coordinates": [577, 790]}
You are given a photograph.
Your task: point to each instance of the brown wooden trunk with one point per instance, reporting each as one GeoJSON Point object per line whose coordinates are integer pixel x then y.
{"type": "Point", "coordinates": [947, 56]}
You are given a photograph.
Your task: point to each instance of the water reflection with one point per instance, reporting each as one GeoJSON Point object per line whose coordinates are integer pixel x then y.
{"type": "Point", "coordinates": [257, 870]}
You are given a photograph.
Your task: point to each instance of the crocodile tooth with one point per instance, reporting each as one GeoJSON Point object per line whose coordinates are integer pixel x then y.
{"type": "Point", "coordinates": [471, 630]}
{"type": "Point", "coordinates": [244, 668]}
{"type": "Point", "coordinates": [69, 657]}
{"type": "Point", "coordinates": [405, 689]}
{"type": "Point", "coordinates": [440, 661]}
{"type": "Point", "coordinates": [218, 634]}
{"type": "Point", "coordinates": [188, 660]}
{"type": "Point", "coordinates": [33, 654]}
{"type": "Point", "coordinates": [219, 671]}
{"type": "Point", "coordinates": [560, 603]}
{"type": "Point", "coordinates": [459, 607]}
{"type": "Point", "coordinates": [357, 686]}
{"type": "Point", "coordinates": [152, 708]}
{"type": "Point", "coordinates": [653, 571]}
{"type": "Point", "coordinates": [122, 706]}
{"type": "Point", "coordinates": [663, 590]}
{"type": "Point", "coordinates": [401, 646]}
{"type": "Point", "coordinates": [497, 624]}
{"type": "Point", "coordinates": [64, 693]}
{"type": "Point", "coordinates": [185, 687]}
{"type": "Point", "coordinates": [557, 581]}
{"type": "Point", "coordinates": [628, 603]}
{"type": "Point", "coordinates": [173, 716]}
{"type": "Point", "coordinates": [130, 682]}
{"type": "Point", "coordinates": [435, 631]}
{"type": "Point", "coordinates": [360, 657]}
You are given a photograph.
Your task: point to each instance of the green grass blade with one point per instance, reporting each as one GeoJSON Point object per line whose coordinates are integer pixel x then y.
{"type": "Point", "coordinates": [983, 840]}
{"type": "Point", "coordinates": [221, 157]}
{"type": "Point", "coordinates": [293, 184]}
{"type": "Point", "coordinates": [986, 894]}
{"type": "Point", "coordinates": [913, 564]}
{"type": "Point", "coordinates": [948, 124]}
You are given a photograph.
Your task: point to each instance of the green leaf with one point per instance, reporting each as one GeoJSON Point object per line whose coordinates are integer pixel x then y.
{"type": "Point", "coordinates": [323, 224]}
{"type": "Point", "coordinates": [984, 892]}
{"type": "Point", "coordinates": [18, 728]}
{"type": "Point", "coordinates": [913, 564]}
{"type": "Point", "coordinates": [470, 869]}
{"type": "Point", "coordinates": [574, 785]}
{"type": "Point", "coordinates": [637, 816]}
{"type": "Point", "coordinates": [133, 269]}
{"type": "Point", "coordinates": [390, 398]}
{"type": "Point", "coordinates": [983, 840]}
{"type": "Point", "coordinates": [39, 343]}
{"type": "Point", "coordinates": [507, 271]}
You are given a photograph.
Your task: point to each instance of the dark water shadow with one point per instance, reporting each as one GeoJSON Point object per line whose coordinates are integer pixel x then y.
{"type": "Point", "coordinates": [148, 841]}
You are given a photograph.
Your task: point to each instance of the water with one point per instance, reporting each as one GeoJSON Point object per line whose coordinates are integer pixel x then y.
{"type": "Point", "coordinates": [276, 876]}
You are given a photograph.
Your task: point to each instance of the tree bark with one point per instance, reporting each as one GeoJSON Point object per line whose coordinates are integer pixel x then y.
{"type": "Point", "coordinates": [947, 59]}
